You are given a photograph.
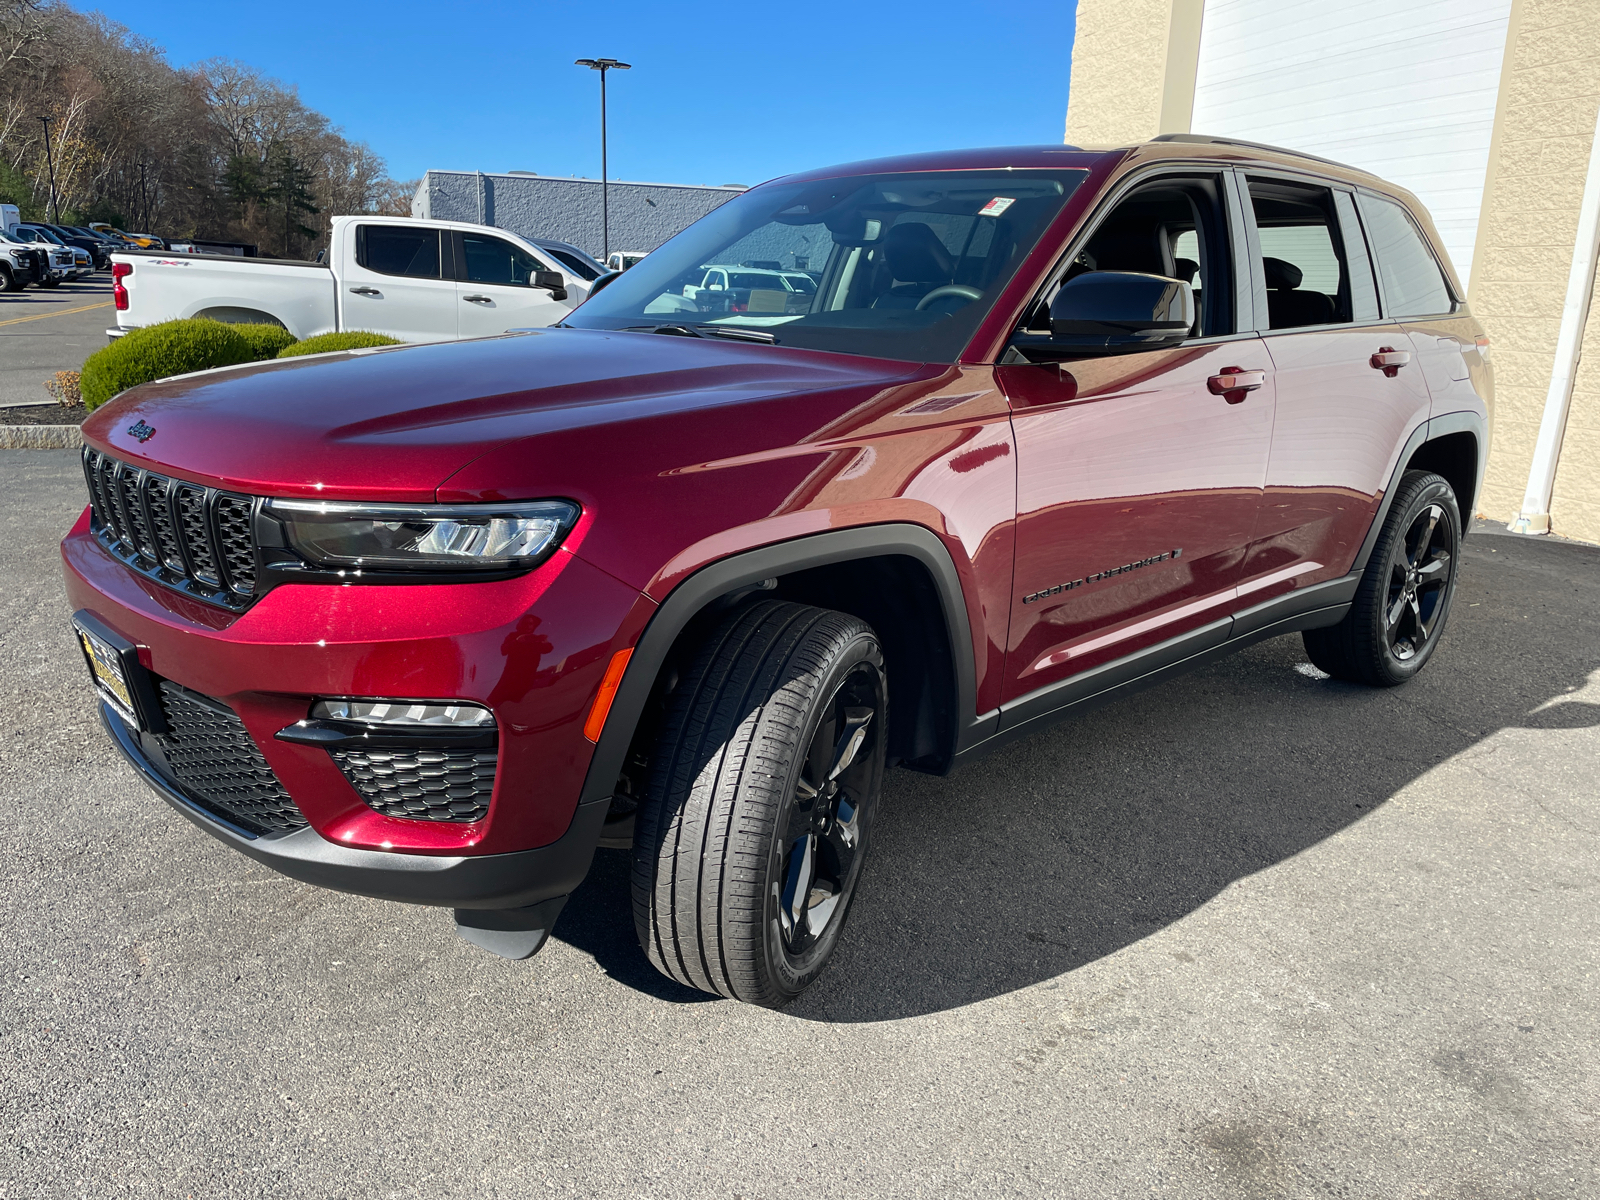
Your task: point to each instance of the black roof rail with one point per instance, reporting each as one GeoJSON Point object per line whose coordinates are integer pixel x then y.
{"type": "Point", "coordinates": [1206, 139]}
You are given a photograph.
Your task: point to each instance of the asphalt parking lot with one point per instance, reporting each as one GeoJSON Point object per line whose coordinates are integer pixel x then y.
{"type": "Point", "coordinates": [1251, 934]}
{"type": "Point", "coordinates": [43, 331]}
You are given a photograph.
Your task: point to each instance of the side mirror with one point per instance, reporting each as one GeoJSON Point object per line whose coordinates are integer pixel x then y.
{"type": "Point", "coordinates": [605, 280]}
{"type": "Point", "coordinates": [1116, 312]}
{"type": "Point", "coordinates": [551, 281]}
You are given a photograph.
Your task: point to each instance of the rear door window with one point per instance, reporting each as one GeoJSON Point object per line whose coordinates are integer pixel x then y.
{"type": "Point", "coordinates": [1413, 284]}
{"type": "Point", "coordinates": [1302, 254]}
{"type": "Point", "coordinates": [399, 250]}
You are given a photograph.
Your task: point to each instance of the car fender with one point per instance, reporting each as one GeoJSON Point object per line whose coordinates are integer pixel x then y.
{"type": "Point", "coordinates": [691, 595]}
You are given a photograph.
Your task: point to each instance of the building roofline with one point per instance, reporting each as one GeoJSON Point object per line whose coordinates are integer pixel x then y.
{"type": "Point", "coordinates": [688, 187]}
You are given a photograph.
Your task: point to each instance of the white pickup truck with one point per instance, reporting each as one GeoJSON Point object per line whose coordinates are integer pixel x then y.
{"type": "Point", "coordinates": [419, 281]}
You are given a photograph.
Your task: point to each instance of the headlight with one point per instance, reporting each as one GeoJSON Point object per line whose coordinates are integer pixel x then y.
{"type": "Point", "coordinates": [428, 537]}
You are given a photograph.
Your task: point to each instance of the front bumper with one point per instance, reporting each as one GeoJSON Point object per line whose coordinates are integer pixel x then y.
{"type": "Point", "coordinates": [532, 649]}
{"type": "Point", "coordinates": [488, 881]}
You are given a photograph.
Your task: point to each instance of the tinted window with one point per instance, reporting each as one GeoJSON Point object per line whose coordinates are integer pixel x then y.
{"type": "Point", "coordinates": [1302, 254]}
{"type": "Point", "coordinates": [575, 264]}
{"type": "Point", "coordinates": [907, 264]}
{"type": "Point", "coordinates": [490, 260]}
{"type": "Point", "coordinates": [1413, 285]}
{"type": "Point", "coordinates": [397, 250]}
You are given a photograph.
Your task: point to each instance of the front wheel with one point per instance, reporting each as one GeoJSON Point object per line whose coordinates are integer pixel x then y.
{"type": "Point", "coordinates": [764, 781]}
{"type": "Point", "coordinates": [1404, 596]}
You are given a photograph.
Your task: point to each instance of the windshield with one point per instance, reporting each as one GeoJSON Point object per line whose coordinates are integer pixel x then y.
{"type": "Point", "coordinates": [897, 265]}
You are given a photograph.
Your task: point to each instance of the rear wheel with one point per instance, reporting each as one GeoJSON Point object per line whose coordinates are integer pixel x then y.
{"type": "Point", "coordinates": [764, 782]}
{"type": "Point", "coordinates": [1404, 596]}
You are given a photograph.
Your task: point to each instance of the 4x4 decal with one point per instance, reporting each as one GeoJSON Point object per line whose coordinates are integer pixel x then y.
{"type": "Point", "coordinates": [1106, 574]}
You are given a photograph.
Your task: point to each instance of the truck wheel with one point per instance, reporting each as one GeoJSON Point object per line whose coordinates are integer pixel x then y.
{"type": "Point", "coordinates": [763, 785]}
{"type": "Point", "coordinates": [1404, 596]}
{"type": "Point", "coordinates": [8, 282]}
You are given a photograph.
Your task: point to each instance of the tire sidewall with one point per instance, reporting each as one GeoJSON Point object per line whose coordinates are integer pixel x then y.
{"type": "Point", "coordinates": [1435, 492]}
{"type": "Point", "coordinates": [790, 976]}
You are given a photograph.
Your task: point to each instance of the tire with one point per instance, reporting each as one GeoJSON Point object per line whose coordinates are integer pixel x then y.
{"type": "Point", "coordinates": [1403, 600]}
{"type": "Point", "coordinates": [763, 785]}
{"type": "Point", "coordinates": [8, 281]}
{"type": "Point", "coordinates": [50, 283]}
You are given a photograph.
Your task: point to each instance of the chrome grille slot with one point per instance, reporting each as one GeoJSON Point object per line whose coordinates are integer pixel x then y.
{"type": "Point", "coordinates": [198, 540]}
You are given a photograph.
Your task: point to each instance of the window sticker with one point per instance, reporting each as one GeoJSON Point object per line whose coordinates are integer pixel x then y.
{"type": "Point", "coordinates": [997, 206]}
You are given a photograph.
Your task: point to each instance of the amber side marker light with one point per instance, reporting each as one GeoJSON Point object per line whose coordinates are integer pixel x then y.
{"type": "Point", "coordinates": [608, 692]}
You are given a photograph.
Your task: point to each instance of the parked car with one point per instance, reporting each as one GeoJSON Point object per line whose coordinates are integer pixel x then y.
{"type": "Point", "coordinates": [431, 623]}
{"type": "Point", "coordinates": [574, 259]}
{"type": "Point", "coordinates": [98, 250]}
{"type": "Point", "coordinates": [75, 265]}
{"type": "Point", "coordinates": [144, 241]}
{"type": "Point", "coordinates": [62, 262]}
{"type": "Point", "coordinates": [621, 260]}
{"type": "Point", "coordinates": [21, 263]}
{"type": "Point", "coordinates": [415, 280]}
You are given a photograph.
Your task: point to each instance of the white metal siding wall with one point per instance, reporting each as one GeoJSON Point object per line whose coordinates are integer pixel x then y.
{"type": "Point", "coordinates": [1402, 88]}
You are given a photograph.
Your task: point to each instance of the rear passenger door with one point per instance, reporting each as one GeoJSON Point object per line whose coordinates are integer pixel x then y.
{"type": "Point", "coordinates": [495, 289]}
{"type": "Point", "coordinates": [397, 281]}
{"type": "Point", "coordinates": [1349, 390]}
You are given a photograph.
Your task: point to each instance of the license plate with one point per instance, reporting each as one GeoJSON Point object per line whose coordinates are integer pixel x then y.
{"type": "Point", "coordinates": [114, 667]}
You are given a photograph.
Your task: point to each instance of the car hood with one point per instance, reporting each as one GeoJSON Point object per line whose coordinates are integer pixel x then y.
{"type": "Point", "coordinates": [395, 423]}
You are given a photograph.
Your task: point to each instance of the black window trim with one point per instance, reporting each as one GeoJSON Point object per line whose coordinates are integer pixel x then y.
{"type": "Point", "coordinates": [1458, 306]}
{"type": "Point", "coordinates": [1180, 168]}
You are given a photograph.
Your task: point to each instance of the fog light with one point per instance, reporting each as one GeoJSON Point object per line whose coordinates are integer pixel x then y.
{"type": "Point", "coordinates": [405, 712]}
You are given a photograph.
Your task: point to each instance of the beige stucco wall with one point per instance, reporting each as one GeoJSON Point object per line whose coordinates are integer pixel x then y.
{"type": "Point", "coordinates": [1119, 64]}
{"type": "Point", "coordinates": [1550, 91]}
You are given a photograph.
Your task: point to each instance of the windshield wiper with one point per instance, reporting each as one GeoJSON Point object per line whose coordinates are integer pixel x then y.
{"type": "Point", "coordinates": [737, 334]}
{"type": "Point", "coordinates": [732, 333]}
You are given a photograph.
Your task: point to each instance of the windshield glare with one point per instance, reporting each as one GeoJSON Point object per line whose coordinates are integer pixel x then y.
{"type": "Point", "coordinates": [898, 266]}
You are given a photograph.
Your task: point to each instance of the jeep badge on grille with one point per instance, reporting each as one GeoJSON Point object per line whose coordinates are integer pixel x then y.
{"type": "Point", "coordinates": [142, 431]}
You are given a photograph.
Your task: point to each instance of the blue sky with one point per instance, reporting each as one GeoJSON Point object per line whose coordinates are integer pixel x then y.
{"type": "Point", "coordinates": [730, 93]}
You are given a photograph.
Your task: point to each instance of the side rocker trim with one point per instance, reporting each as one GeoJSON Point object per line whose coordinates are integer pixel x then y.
{"type": "Point", "coordinates": [783, 558]}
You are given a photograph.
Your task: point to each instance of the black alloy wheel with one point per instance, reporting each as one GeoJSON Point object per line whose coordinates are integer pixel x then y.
{"type": "Point", "coordinates": [751, 836]}
{"type": "Point", "coordinates": [1418, 579]}
{"type": "Point", "coordinates": [821, 846]}
{"type": "Point", "coordinates": [1403, 600]}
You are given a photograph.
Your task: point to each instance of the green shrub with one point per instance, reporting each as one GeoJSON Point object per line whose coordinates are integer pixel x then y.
{"type": "Point", "coordinates": [266, 341]}
{"type": "Point", "coordinates": [354, 339]}
{"type": "Point", "coordinates": [157, 351]}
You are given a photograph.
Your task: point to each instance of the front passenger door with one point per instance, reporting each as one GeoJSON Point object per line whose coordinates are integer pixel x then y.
{"type": "Point", "coordinates": [1137, 483]}
{"type": "Point", "coordinates": [495, 291]}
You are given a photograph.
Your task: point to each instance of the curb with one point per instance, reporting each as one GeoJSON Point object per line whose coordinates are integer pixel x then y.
{"type": "Point", "coordinates": [40, 437]}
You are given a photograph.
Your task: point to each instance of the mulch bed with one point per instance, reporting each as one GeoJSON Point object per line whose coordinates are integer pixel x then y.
{"type": "Point", "coordinates": [44, 414]}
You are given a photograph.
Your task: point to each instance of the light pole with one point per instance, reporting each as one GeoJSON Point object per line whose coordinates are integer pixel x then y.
{"type": "Point", "coordinates": [49, 157]}
{"type": "Point", "coordinates": [603, 65]}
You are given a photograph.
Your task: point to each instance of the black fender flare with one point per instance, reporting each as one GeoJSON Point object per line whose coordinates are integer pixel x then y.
{"type": "Point", "coordinates": [748, 567]}
{"type": "Point", "coordinates": [1434, 427]}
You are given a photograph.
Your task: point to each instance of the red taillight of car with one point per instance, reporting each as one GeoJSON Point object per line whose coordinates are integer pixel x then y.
{"type": "Point", "coordinates": [119, 294]}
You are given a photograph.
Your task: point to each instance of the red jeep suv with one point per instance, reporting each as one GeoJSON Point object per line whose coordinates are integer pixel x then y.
{"type": "Point", "coordinates": [690, 571]}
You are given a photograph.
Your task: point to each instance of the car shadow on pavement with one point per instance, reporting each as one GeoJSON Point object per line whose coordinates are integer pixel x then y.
{"type": "Point", "coordinates": [1067, 847]}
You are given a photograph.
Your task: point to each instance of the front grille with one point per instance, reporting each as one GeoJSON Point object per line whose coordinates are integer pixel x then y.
{"type": "Point", "coordinates": [197, 539]}
{"type": "Point", "coordinates": [422, 784]}
{"type": "Point", "coordinates": [214, 759]}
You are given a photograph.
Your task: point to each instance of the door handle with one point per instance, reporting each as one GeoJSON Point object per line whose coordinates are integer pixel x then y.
{"type": "Point", "coordinates": [480, 299]}
{"type": "Point", "coordinates": [366, 291]}
{"type": "Point", "coordinates": [1389, 360]}
{"type": "Point", "coordinates": [1234, 383]}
